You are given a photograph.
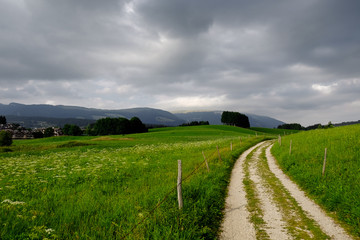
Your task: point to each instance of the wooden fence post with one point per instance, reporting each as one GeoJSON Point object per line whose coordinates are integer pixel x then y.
{"type": "Point", "coordinates": [324, 164]}
{"type": "Point", "coordinates": [179, 181]}
{"type": "Point", "coordinates": [207, 165]}
{"type": "Point", "coordinates": [231, 146]}
{"type": "Point", "coordinates": [290, 147]}
{"type": "Point", "coordinates": [279, 140]}
{"type": "Point", "coordinates": [217, 147]}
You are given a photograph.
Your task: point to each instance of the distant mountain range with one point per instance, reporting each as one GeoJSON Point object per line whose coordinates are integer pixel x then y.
{"type": "Point", "coordinates": [43, 115]}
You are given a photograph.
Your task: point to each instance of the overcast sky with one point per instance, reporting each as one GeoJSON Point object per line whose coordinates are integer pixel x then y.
{"type": "Point", "coordinates": [295, 60]}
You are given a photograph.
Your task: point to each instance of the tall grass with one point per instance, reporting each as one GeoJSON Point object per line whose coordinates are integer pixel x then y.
{"type": "Point", "coordinates": [339, 190]}
{"type": "Point", "coordinates": [107, 187]}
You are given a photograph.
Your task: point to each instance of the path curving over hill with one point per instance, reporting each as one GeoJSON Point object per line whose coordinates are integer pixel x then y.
{"type": "Point", "coordinates": [263, 203]}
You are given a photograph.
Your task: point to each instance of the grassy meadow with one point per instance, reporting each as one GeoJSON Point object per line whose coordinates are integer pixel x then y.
{"type": "Point", "coordinates": [274, 131]}
{"type": "Point", "coordinates": [108, 187]}
{"type": "Point", "coordinates": [338, 190]}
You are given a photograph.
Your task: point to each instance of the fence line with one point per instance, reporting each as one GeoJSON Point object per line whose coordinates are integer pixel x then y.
{"type": "Point", "coordinates": [207, 165]}
{"type": "Point", "coordinates": [150, 213]}
{"type": "Point", "coordinates": [162, 201]}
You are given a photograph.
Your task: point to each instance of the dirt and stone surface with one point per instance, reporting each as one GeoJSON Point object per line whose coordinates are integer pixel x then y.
{"type": "Point", "coordinates": [263, 203]}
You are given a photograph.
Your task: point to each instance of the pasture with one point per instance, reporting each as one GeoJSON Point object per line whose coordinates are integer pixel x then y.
{"type": "Point", "coordinates": [118, 187]}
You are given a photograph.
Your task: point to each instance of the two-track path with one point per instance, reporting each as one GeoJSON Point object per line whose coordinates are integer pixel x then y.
{"type": "Point", "coordinates": [263, 203]}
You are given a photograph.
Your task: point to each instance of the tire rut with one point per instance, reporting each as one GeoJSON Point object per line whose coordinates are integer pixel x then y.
{"type": "Point", "coordinates": [263, 203]}
{"type": "Point", "coordinates": [274, 224]}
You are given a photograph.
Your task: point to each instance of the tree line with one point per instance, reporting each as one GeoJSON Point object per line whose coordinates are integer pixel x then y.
{"type": "Point", "coordinates": [297, 126]}
{"type": "Point", "coordinates": [195, 123]}
{"type": "Point", "coordinates": [104, 126]}
{"type": "Point", "coordinates": [107, 126]}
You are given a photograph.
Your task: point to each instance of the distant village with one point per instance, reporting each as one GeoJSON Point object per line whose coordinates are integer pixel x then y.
{"type": "Point", "coordinates": [105, 126]}
{"type": "Point", "coordinates": [19, 132]}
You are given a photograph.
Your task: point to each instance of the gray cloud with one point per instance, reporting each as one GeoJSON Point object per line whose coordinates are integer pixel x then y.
{"type": "Point", "coordinates": [293, 60]}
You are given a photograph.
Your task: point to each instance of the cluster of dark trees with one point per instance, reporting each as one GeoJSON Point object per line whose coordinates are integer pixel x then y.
{"type": "Point", "coordinates": [292, 126]}
{"type": "Point", "coordinates": [2, 120]}
{"type": "Point", "coordinates": [113, 126]}
{"type": "Point", "coordinates": [235, 119]}
{"type": "Point", "coordinates": [195, 123]}
{"type": "Point", "coordinates": [297, 126]}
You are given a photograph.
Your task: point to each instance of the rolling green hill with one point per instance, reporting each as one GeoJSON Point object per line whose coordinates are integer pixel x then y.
{"type": "Point", "coordinates": [113, 187]}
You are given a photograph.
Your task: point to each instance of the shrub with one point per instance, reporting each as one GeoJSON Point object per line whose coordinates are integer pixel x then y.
{"type": "Point", "coordinates": [72, 130]}
{"type": "Point", "coordinates": [49, 132]}
{"type": "Point", "coordinates": [5, 138]}
{"type": "Point", "coordinates": [2, 120]}
{"type": "Point", "coordinates": [37, 134]}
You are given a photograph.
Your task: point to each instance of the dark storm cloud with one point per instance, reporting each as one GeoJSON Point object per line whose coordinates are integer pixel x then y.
{"type": "Point", "coordinates": [176, 18]}
{"type": "Point", "coordinates": [56, 39]}
{"type": "Point", "coordinates": [280, 58]}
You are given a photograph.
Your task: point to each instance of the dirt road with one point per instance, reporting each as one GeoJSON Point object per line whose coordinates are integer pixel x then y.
{"type": "Point", "coordinates": [263, 203]}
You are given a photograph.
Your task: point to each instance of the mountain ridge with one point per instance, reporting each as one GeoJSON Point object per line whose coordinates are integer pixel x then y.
{"type": "Point", "coordinates": [150, 116]}
{"type": "Point", "coordinates": [40, 115]}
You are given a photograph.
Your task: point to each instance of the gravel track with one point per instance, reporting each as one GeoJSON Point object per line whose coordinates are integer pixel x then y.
{"type": "Point", "coordinates": [272, 215]}
{"type": "Point", "coordinates": [236, 224]}
{"type": "Point", "coordinates": [294, 216]}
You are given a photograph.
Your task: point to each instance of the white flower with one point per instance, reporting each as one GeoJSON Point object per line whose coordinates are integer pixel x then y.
{"type": "Point", "coordinates": [12, 203]}
{"type": "Point", "coordinates": [49, 230]}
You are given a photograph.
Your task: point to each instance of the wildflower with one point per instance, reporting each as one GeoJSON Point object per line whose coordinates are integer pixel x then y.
{"type": "Point", "coordinates": [49, 230]}
{"type": "Point", "coordinates": [12, 203]}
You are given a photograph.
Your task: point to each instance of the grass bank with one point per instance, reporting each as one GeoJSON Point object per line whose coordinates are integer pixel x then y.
{"type": "Point", "coordinates": [338, 190]}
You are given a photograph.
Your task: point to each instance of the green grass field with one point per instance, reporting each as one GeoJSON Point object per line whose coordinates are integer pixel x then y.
{"type": "Point", "coordinates": [338, 190]}
{"type": "Point", "coordinates": [275, 131]}
{"type": "Point", "coordinates": [107, 187]}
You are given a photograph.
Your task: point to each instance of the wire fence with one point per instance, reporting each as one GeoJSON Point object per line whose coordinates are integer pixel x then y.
{"type": "Point", "coordinates": [167, 195]}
